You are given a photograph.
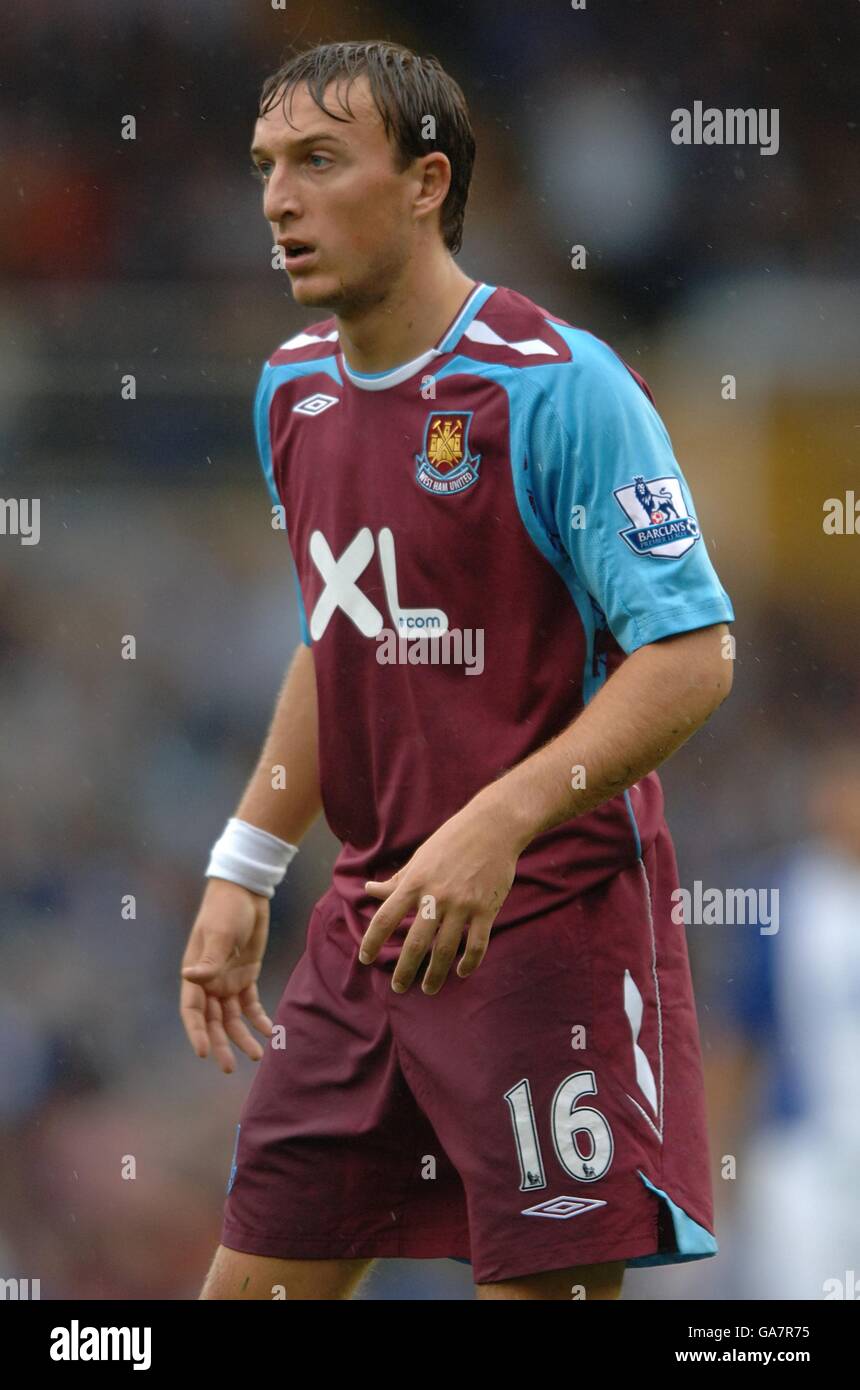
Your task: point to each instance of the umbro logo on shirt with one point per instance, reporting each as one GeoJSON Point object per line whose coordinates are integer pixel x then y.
{"type": "Point", "coordinates": [562, 1208]}
{"type": "Point", "coordinates": [315, 404]}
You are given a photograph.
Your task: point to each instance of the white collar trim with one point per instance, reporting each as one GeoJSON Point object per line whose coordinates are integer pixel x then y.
{"type": "Point", "coordinates": [381, 381]}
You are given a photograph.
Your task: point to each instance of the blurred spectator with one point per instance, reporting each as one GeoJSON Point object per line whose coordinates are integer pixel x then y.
{"type": "Point", "coordinates": [785, 1077]}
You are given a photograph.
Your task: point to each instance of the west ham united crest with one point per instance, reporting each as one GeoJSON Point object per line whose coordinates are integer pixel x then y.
{"type": "Point", "coordinates": [445, 464]}
{"type": "Point", "coordinates": [662, 525]}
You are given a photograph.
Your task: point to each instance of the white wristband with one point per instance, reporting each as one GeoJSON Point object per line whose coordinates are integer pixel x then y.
{"type": "Point", "coordinates": [252, 857]}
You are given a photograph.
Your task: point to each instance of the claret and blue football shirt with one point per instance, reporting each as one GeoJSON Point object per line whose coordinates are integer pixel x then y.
{"type": "Point", "coordinates": [481, 536]}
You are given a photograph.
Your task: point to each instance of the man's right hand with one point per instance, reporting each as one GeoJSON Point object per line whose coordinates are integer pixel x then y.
{"type": "Point", "coordinates": [220, 970]}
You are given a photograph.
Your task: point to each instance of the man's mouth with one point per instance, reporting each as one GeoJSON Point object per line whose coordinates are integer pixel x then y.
{"type": "Point", "coordinates": [297, 253]}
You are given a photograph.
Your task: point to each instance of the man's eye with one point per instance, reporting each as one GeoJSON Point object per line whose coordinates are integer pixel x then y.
{"type": "Point", "coordinates": [323, 157]}
{"type": "Point", "coordinates": [258, 171]}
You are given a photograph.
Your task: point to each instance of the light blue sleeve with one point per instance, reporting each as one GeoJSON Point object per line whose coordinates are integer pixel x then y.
{"type": "Point", "coordinates": [270, 379]}
{"type": "Point", "coordinates": [613, 502]}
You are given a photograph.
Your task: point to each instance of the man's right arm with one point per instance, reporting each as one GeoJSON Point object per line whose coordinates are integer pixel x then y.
{"type": "Point", "coordinates": [225, 949]}
{"type": "Point", "coordinates": [283, 795]}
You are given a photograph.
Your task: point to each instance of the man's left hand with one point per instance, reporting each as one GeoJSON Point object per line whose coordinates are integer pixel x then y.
{"type": "Point", "coordinates": [458, 878]}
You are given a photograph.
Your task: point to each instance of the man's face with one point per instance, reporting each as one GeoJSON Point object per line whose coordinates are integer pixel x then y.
{"type": "Point", "coordinates": [332, 185]}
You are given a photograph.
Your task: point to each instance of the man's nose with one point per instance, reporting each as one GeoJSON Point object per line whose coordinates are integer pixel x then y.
{"type": "Point", "coordinates": [280, 197]}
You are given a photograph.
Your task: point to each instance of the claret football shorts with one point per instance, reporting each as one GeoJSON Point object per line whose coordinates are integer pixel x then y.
{"type": "Point", "coordinates": [546, 1112]}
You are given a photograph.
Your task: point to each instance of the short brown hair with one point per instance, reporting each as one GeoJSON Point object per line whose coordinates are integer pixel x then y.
{"type": "Point", "coordinates": [406, 89]}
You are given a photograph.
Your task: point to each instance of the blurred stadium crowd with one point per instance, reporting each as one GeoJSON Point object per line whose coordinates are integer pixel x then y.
{"type": "Point", "coordinates": [150, 256]}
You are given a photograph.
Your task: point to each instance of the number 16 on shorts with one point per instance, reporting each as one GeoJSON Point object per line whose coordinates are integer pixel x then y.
{"type": "Point", "coordinates": [567, 1120]}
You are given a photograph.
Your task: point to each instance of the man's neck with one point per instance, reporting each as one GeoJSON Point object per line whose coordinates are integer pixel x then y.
{"type": "Point", "coordinates": [409, 321]}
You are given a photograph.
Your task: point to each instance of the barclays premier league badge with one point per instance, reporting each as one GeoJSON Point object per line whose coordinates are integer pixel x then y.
{"type": "Point", "coordinates": [445, 465]}
{"type": "Point", "coordinates": [662, 525]}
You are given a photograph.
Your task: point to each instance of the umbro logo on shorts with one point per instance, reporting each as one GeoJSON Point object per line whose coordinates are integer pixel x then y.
{"type": "Point", "coordinates": [314, 405]}
{"type": "Point", "coordinates": [562, 1208]}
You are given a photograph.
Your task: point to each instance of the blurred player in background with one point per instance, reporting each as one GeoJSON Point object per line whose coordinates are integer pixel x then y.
{"type": "Point", "coordinates": [785, 1075]}
{"type": "Point", "coordinates": [509, 620]}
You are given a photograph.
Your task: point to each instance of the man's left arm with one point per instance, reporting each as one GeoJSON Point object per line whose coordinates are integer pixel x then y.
{"type": "Point", "coordinates": [656, 699]}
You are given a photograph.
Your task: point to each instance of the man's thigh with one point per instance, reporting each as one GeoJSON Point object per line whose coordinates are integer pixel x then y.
{"type": "Point", "coordinates": [237, 1275]}
{"type": "Point", "coordinates": [585, 1282]}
